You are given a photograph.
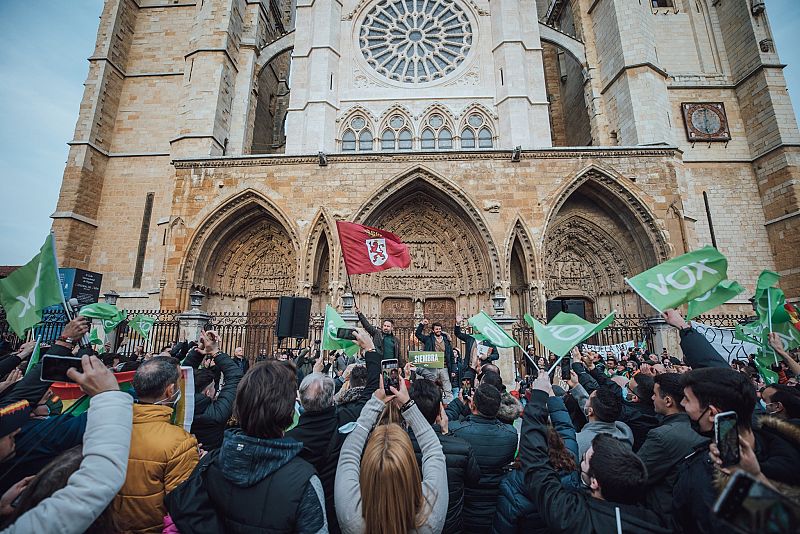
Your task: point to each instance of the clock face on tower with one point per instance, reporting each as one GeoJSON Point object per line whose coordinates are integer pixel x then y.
{"type": "Point", "coordinates": [415, 41]}
{"type": "Point", "coordinates": [706, 121]}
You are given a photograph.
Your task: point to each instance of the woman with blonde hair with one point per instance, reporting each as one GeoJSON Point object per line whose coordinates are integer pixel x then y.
{"type": "Point", "coordinates": [383, 491]}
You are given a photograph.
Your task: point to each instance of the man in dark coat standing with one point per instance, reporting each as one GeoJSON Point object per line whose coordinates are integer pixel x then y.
{"type": "Point", "coordinates": [384, 339]}
{"type": "Point", "coordinates": [494, 444]}
{"type": "Point", "coordinates": [462, 466]}
{"type": "Point", "coordinates": [667, 444]}
{"type": "Point", "coordinates": [212, 411]}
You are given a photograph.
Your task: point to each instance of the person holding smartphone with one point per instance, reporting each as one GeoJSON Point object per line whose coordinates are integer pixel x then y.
{"type": "Point", "coordinates": [708, 393]}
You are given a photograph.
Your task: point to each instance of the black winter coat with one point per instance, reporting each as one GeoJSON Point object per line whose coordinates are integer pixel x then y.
{"type": "Point", "coordinates": [665, 447]}
{"type": "Point", "coordinates": [462, 471]}
{"type": "Point", "coordinates": [494, 444]}
{"type": "Point", "coordinates": [211, 416]}
{"type": "Point", "coordinates": [640, 417]}
{"type": "Point", "coordinates": [562, 509]}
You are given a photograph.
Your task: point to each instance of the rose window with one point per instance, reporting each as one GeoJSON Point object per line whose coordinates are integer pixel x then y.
{"type": "Point", "coordinates": [415, 41]}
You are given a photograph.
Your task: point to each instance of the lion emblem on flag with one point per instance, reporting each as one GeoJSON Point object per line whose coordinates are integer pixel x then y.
{"type": "Point", "coordinates": [376, 248]}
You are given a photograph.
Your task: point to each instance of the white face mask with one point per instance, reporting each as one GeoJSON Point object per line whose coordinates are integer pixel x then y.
{"type": "Point", "coordinates": [172, 400]}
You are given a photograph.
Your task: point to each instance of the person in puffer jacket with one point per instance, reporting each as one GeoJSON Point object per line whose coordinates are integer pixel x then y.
{"type": "Point", "coordinates": [515, 511]}
{"type": "Point", "coordinates": [495, 444]}
{"type": "Point", "coordinates": [462, 467]}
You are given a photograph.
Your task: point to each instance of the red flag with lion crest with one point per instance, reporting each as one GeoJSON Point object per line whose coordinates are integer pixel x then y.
{"type": "Point", "coordinates": [369, 250]}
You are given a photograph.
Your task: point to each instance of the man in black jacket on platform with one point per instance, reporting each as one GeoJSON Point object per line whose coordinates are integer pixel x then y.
{"type": "Point", "coordinates": [212, 411]}
{"type": "Point", "coordinates": [383, 338]}
{"type": "Point", "coordinates": [614, 474]}
{"type": "Point", "coordinates": [462, 466]}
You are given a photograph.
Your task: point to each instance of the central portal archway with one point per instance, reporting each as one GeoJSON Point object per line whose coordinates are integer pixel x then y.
{"type": "Point", "coordinates": [453, 259]}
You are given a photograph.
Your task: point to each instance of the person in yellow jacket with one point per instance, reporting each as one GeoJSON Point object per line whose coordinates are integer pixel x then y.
{"type": "Point", "coordinates": [162, 454]}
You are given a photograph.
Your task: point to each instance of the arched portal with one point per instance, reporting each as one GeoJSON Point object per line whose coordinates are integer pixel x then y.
{"type": "Point", "coordinates": [242, 253]}
{"type": "Point", "coordinates": [454, 264]}
{"type": "Point", "coordinates": [595, 238]}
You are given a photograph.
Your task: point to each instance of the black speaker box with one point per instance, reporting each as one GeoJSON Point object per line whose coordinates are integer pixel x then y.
{"type": "Point", "coordinates": [294, 314]}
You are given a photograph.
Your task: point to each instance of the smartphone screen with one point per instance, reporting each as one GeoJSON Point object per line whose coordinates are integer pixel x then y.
{"type": "Point", "coordinates": [466, 388]}
{"type": "Point", "coordinates": [54, 368]}
{"type": "Point", "coordinates": [346, 333]}
{"type": "Point", "coordinates": [391, 375]}
{"type": "Point", "coordinates": [565, 368]}
{"type": "Point", "coordinates": [752, 507]}
{"type": "Point", "coordinates": [726, 437]}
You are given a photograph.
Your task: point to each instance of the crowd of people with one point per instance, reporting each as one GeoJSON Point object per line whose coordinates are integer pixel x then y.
{"type": "Point", "coordinates": [320, 442]}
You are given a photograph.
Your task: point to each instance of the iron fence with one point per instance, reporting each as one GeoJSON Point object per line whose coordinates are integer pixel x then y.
{"type": "Point", "coordinates": [164, 333]}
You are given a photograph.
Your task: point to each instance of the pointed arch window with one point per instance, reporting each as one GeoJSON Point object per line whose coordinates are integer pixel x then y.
{"type": "Point", "coordinates": [357, 129]}
{"type": "Point", "coordinates": [397, 134]}
{"type": "Point", "coordinates": [437, 133]}
{"type": "Point", "coordinates": [477, 132]}
{"type": "Point", "coordinates": [348, 141]}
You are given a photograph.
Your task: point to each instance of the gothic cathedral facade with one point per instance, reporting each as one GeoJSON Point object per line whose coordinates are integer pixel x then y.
{"type": "Point", "coordinates": [528, 151]}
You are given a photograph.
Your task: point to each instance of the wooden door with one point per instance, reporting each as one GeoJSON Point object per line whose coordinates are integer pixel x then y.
{"type": "Point", "coordinates": [441, 311]}
{"type": "Point", "coordinates": [401, 311]}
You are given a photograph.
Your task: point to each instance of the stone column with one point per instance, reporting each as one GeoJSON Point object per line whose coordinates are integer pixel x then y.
{"type": "Point", "coordinates": [193, 320]}
{"type": "Point", "coordinates": [664, 336]}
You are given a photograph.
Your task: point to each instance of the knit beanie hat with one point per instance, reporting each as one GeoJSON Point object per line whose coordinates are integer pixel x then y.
{"type": "Point", "coordinates": [13, 417]}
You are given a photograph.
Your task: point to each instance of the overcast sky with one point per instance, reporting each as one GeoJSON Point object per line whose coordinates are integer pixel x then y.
{"type": "Point", "coordinates": [45, 44]}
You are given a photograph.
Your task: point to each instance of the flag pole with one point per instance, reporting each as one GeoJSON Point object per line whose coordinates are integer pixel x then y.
{"type": "Point", "coordinates": [769, 321]}
{"type": "Point", "coordinates": [67, 310]}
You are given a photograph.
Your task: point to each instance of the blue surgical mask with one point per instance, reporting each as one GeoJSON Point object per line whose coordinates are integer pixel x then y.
{"type": "Point", "coordinates": [763, 404]}
{"type": "Point", "coordinates": [625, 392]}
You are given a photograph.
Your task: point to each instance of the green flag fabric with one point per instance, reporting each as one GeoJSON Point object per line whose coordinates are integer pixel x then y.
{"type": "Point", "coordinates": [490, 330]}
{"type": "Point", "coordinates": [30, 289]}
{"type": "Point", "coordinates": [94, 339]}
{"type": "Point", "coordinates": [764, 365]}
{"type": "Point", "coordinates": [770, 300]}
{"type": "Point", "coordinates": [37, 350]}
{"type": "Point", "coordinates": [566, 330]}
{"type": "Point", "coordinates": [142, 325]}
{"type": "Point", "coordinates": [333, 321]}
{"type": "Point", "coordinates": [722, 293]}
{"type": "Point", "coordinates": [107, 313]}
{"type": "Point", "coordinates": [679, 280]}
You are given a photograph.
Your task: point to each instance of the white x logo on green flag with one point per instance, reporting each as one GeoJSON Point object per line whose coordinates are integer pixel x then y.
{"type": "Point", "coordinates": [565, 331]}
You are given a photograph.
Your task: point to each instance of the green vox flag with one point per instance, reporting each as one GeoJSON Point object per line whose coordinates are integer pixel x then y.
{"type": "Point", "coordinates": [31, 288]}
{"type": "Point", "coordinates": [566, 330]}
{"type": "Point", "coordinates": [488, 329]}
{"type": "Point", "coordinates": [681, 279]}
{"type": "Point", "coordinates": [333, 321]}
{"type": "Point", "coordinates": [764, 365]}
{"type": "Point", "coordinates": [770, 300]}
{"type": "Point", "coordinates": [37, 351]}
{"type": "Point", "coordinates": [722, 293]}
{"type": "Point", "coordinates": [757, 333]}
{"type": "Point", "coordinates": [142, 325]}
{"type": "Point", "coordinates": [107, 313]}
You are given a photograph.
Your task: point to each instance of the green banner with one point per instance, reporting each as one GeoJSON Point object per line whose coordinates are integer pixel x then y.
{"type": "Point", "coordinates": [565, 331]}
{"type": "Point", "coordinates": [429, 360]}
{"type": "Point", "coordinates": [333, 321]}
{"type": "Point", "coordinates": [722, 293]}
{"type": "Point", "coordinates": [31, 288]}
{"type": "Point", "coordinates": [37, 352]}
{"type": "Point", "coordinates": [487, 329]}
{"type": "Point", "coordinates": [679, 280]}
